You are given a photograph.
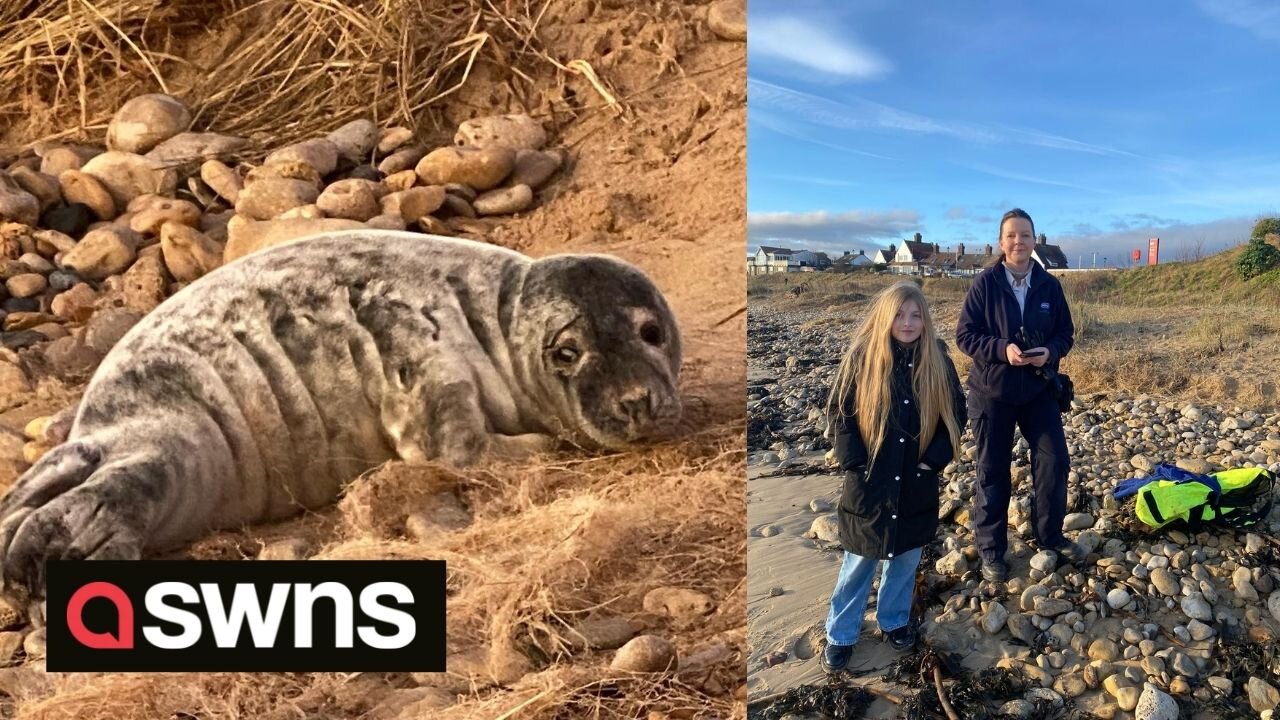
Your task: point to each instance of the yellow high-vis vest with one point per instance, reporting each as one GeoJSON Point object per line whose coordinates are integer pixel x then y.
{"type": "Point", "coordinates": [1242, 498]}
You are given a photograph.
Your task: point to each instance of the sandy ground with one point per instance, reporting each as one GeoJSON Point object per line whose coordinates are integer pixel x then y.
{"type": "Point", "coordinates": [791, 579]}
{"type": "Point", "coordinates": [791, 582]}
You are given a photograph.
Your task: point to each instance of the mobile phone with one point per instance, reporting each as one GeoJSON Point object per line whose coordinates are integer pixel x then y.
{"type": "Point", "coordinates": [1032, 353]}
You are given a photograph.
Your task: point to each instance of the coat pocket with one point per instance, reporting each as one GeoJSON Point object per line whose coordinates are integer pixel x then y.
{"type": "Point", "coordinates": [850, 451]}
{"type": "Point", "coordinates": [855, 494]}
{"type": "Point", "coordinates": [920, 496]}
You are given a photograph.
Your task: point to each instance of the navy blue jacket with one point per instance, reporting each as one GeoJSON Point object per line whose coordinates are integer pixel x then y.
{"type": "Point", "coordinates": [990, 320]}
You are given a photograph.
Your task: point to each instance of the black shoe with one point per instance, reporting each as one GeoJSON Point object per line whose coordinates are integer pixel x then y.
{"type": "Point", "coordinates": [1070, 553]}
{"type": "Point", "coordinates": [995, 570]}
{"type": "Point", "coordinates": [904, 638]}
{"type": "Point", "coordinates": [835, 657]}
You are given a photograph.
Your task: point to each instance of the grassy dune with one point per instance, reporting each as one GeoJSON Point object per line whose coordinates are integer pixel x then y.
{"type": "Point", "coordinates": [1211, 280]}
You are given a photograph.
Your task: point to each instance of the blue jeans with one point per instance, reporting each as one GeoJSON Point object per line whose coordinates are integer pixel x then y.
{"type": "Point", "coordinates": [849, 599]}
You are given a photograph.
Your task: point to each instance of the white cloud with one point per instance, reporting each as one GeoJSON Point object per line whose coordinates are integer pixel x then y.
{"type": "Point", "coordinates": [832, 232]}
{"type": "Point", "coordinates": [810, 45]}
{"type": "Point", "coordinates": [1178, 240]}
{"type": "Point", "coordinates": [1022, 177]}
{"type": "Point", "coordinates": [855, 113]}
{"type": "Point", "coordinates": [810, 180]}
{"type": "Point", "coordinates": [894, 218]}
{"type": "Point", "coordinates": [1260, 17]}
{"type": "Point", "coordinates": [779, 124]}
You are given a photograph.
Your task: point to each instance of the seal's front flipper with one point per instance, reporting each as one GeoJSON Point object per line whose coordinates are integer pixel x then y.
{"type": "Point", "coordinates": [58, 471]}
{"type": "Point", "coordinates": [66, 509]}
{"type": "Point", "coordinates": [514, 448]}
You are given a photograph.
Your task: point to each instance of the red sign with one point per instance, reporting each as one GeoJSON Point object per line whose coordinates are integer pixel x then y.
{"type": "Point", "coordinates": [1137, 255]}
{"type": "Point", "coordinates": [1153, 251]}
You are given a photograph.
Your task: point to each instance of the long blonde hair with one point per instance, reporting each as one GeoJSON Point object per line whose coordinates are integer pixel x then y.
{"type": "Point", "coordinates": [868, 365]}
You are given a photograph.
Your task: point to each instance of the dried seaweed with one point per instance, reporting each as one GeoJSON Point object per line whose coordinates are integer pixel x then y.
{"type": "Point", "coordinates": [764, 428]}
{"type": "Point", "coordinates": [1266, 557]}
{"type": "Point", "coordinates": [1225, 707]}
{"type": "Point", "coordinates": [1238, 660]}
{"type": "Point", "coordinates": [833, 700]}
{"type": "Point", "coordinates": [799, 469]}
{"type": "Point", "coordinates": [975, 696]}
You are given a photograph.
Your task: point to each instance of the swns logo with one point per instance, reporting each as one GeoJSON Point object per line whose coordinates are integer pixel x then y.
{"type": "Point", "coordinates": [263, 616]}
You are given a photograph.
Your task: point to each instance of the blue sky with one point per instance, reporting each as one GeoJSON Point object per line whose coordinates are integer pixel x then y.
{"type": "Point", "coordinates": [1109, 122]}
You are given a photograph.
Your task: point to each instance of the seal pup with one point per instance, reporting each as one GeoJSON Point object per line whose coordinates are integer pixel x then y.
{"type": "Point", "coordinates": [265, 386]}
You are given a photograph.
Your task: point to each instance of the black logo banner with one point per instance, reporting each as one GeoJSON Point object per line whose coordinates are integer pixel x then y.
{"type": "Point", "coordinates": [239, 616]}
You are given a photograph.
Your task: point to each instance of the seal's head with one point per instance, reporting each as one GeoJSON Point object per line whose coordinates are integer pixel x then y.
{"type": "Point", "coordinates": [601, 346]}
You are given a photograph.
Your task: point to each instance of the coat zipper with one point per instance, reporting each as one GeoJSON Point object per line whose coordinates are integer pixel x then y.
{"type": "Point", "coordinates": [1022, 312]}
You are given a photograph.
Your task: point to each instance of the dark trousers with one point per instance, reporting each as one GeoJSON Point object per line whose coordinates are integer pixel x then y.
{"type": "Point", "coordinates": [1041, 424]}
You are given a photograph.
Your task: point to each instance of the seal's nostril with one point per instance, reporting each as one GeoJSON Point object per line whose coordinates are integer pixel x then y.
{"type": "Point", "coordinates": [637, 408]}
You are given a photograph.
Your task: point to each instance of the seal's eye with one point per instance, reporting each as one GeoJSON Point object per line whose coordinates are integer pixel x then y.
{"type": "Point", "coordinates": [565, 354]}
{"type": "Point", "coordinates": [651, 333]}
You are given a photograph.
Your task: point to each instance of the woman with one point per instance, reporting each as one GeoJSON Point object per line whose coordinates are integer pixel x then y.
{"type": "Point", "coordinates": [1016, 321]}
{"type": "Point", "coordinates": [898, 412]}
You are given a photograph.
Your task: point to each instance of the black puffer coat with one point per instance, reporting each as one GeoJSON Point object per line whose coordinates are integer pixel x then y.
{"type": "Point", "coordinates": [892, 506]}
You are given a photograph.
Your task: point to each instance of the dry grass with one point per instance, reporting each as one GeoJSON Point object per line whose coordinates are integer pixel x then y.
{"type": "Point", "coordinates": [551, 543]}
{"type": "Point", "coordinates": [821, 284]}
{"type": "Point", "coordinates": [825, 287]}
{"type": "Point", "coordinates": [1084, 313]}
{"type": "Point", "coordinates": [1138, 331]}
{"type": "Point", "coordinates": [1218, 354]}
{"type": "Point", "coordinates": [1091, 286]}
{"type": "Point", "coordinates": [273, 71]}
{"type": "Point", "coordinates": [576, 693]}
{"type": "Point", "coordinates": [1216, 333]}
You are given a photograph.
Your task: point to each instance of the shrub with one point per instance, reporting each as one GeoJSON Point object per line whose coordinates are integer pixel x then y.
{"type": "Point", "coordinates": [1258, 257]}
{"type": "Point", "coordinates": [1264, 227]}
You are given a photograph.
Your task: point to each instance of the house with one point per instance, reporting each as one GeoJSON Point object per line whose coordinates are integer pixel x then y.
{"type": "Point", "coordinates": [1049, 256]}
{"type": "Point", "coordinates": [808, 261]}
{"type": "Point", "coordinates": [911, 256]}
{"type": "Point", "coordinates": [775, 259]}
{"type": "Point", "coordinates": [860, 260]}
{"type": "Point", "coordinates": [883, 257]}
{"type": "Point", "coordinates": [848, 262]}
{"type": "Point", "coordinates": [958, 263]}
{"type": "Point", "coordinates": [771, 260]}
{"type": "Point", "coordinates": [942, 262]}
{"type": "Point", "coordinates": [970, 264]}
{"type": "Point", "coordinates": [916, 257]}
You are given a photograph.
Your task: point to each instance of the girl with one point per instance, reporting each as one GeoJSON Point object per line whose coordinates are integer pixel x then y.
{"type": "Point", "coordinates": [898, 412]}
